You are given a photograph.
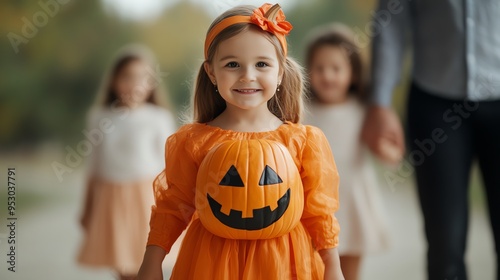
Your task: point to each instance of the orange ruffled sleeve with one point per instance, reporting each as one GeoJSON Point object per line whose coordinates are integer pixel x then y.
{"type": "Point", "coordinates": [321, 197]}
{"type": "Point", "coordinates": [174, 191]}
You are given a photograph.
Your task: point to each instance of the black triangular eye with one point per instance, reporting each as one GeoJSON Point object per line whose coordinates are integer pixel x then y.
{"type": "Point", "coordinates": [269, 177]}
{"type": "Point", "coordinates": [232, 178]}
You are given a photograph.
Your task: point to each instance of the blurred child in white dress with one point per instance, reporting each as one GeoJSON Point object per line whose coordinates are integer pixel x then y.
{"type": "Point", "coordinates": [337, 97]}
{"type": "Point", "coordinates": [130, 129]}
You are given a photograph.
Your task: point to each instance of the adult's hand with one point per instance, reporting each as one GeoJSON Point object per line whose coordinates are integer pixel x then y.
{"type": "Point", "coordinates": [383, 134]}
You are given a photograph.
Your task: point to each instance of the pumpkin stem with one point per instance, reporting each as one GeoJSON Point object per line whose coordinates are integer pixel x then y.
{"type": "Point", "coordinates": [272, 12]}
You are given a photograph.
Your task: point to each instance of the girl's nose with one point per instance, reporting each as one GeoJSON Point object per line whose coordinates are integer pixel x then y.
{"type": "Point", "coordinates": [247, 75]}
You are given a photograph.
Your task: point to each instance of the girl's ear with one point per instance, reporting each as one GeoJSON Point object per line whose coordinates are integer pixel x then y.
{"type": "Point", "coordinates": [280, 75]}
{"type": "Point", "coordinates": [210, 71]}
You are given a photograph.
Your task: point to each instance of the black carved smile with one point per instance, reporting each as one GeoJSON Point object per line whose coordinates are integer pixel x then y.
{"type": "Point", "coordinates": [262, 217]}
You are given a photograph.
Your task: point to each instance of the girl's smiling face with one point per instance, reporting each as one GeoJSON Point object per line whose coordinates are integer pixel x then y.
{"type": "Point", "coordinates": [246, 70]}
{"type": "Point", "coordinates": [331, 74]}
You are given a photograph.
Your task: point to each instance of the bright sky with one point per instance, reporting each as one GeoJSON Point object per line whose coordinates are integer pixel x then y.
{"type": "Point", "coordinates": [150, 9]}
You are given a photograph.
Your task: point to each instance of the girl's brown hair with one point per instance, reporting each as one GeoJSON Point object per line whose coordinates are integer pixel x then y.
{"type": "Point", "coordinates": [340, 36]}
{"type": "Point", "coordinates": [286, 104]}
{"type": "Point", "coordinates": [108, 96]}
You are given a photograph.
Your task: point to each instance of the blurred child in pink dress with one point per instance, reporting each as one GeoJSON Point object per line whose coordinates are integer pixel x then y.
{"type": "Point", "coordinates": [123, 163]}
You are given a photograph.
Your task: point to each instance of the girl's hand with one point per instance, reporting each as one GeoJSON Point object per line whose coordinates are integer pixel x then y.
{"type": "Point", "coordinates": [84, 220]}
{"type": "Point", "coordinates": [389, 152]}
{"type": "Point", "coordinates": [151, 265]}
{"type": "Point", "coordinates": [332, 273]}
{"type": "Point", "coordinates": [87, 204]}
{"type": "Point", "coordinates": [383, 134]}
{"type": "Point", "coordinates": [331, 260]}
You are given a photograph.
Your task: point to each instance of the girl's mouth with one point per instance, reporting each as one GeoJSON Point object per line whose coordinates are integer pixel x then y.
{"type": "Point", "coordinates": [247, 90]}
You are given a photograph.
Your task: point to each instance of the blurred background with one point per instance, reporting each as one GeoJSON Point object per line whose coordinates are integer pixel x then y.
{"type": "Point", "coordinates": [53, 55]}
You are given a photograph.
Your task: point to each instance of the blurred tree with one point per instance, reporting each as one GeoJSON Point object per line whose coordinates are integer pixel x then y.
{"type": "Point", "coordinates": [311, 14]}
{"type": "Point", "coordinates": [177, 39]}
{"type": "Point", "coordinates": [47, 84]}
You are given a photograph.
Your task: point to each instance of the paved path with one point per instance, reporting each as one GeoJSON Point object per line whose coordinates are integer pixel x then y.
{"type": "Point", "coordinates": [49, 236]}
{"type": "Point", "coordinates": [406, 259]}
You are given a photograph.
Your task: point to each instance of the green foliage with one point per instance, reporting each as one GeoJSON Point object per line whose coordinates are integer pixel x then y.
{"type": "Point", "coordinates": [47, 87]}
{"type": "Point", "coordinates": [315, 13]}
{"type": "Point", "coordinates": [177, 40]}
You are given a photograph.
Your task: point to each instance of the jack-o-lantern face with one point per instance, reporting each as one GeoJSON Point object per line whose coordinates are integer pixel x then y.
{"type": "Point", "coordinates": [262, 217]}
{"type": "Point", "coordinates": [249, 189]}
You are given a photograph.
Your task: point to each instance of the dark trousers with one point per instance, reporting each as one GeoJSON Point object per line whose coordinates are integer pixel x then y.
{"type": "Point", "coordinates": [445, 136]}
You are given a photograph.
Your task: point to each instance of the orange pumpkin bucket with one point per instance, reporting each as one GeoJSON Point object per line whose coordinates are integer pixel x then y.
{"type": "Point", "coordinates": [249, 189]}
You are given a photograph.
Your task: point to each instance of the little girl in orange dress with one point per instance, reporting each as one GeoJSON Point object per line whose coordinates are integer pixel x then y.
{"type": "Point", "coordinates": [256, 189]}
{"type": "Point", "coordinates": [133, 129]}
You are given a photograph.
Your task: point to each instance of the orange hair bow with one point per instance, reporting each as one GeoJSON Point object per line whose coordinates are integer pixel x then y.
{"type": "Point", "coordinates": [268, 17]}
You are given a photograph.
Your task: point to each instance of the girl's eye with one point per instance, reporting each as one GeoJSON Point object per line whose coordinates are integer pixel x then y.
{"type": "Point", "coordinates": [232, 64]}
{"type": "Point", "coordinates": [261, 64]}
